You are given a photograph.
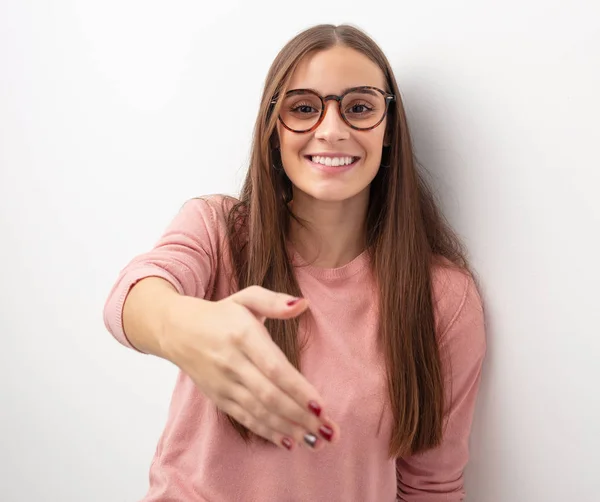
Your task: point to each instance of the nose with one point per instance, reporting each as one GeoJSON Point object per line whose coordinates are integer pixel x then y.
{"type": "Point", "coordinates": [332, 128]}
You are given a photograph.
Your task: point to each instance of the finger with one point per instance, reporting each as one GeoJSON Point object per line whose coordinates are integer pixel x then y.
{"type": "Point", "coordinates": [246, 419]}
{"type": "Point", "coordinates": [266, 303]}
{"type": "Point", "coordinates": [268, 403]}
{"type": "Point", "coordinates": [275, 423]}
{"type": "Point", "coordinates": [272, 363]}
{"type": "Point", "coordinates": [330, 430]}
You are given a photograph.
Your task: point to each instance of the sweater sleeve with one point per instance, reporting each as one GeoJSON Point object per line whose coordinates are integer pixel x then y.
{"type": "Point", "coordinates": [185, 256]}
{"type": "Point", "coordinates": [436, 475]}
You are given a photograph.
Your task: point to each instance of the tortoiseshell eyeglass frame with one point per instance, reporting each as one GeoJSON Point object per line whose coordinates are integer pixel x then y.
{"type": "Point", "coordinates": [387, 96]}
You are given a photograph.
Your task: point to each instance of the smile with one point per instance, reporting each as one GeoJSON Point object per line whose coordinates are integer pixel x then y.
{"type": "Point", "coordinates": [332, 161]}
{"type": "Point", "coordinates": [332, 164]}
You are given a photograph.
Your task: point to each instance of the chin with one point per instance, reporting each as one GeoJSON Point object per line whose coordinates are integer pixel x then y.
{"type": "Point", "coordinates": [331, 198]}
{"type": "Point", "coordinates": [333, 195]}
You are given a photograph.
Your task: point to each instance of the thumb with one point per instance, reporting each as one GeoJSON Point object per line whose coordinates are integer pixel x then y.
{"type": "Point", "coordinates": [266, 303]}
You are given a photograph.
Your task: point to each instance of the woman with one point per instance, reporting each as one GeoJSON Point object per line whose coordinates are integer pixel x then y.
{"type": "Point", "coordinates": [329, 333]}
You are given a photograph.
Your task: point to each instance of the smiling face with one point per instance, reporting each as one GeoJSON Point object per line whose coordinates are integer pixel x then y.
{"type": "Point", "coordinates": [333, 162]}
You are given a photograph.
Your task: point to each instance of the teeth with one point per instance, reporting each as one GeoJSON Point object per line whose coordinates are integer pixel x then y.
{"type": "Point", "coordinates": [332, 161]}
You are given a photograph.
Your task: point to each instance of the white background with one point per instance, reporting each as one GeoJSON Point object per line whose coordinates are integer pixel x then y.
{"type": "Point", "coordinates": [113, 113]}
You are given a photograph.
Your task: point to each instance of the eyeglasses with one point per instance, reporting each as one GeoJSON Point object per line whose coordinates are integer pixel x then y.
{"type": "Point", "coordinates": [362, 108]}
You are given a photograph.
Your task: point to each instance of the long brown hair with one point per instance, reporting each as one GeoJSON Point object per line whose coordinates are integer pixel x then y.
{"type": "Point", "coordinates": [406, 234]}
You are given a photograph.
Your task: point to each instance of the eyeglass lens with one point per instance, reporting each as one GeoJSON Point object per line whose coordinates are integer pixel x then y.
{"type": "Point", "coordinates": [362, 109]}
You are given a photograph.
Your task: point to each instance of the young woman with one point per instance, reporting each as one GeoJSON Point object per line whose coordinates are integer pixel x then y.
{"type": "Point", "coordinates": [328, 330]}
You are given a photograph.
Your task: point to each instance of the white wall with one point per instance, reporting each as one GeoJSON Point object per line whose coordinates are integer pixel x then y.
{"type": "Point", "coordinates": [109, 122]}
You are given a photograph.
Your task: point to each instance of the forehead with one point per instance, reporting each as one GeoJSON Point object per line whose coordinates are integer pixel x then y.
{"type": "Point", "coordinates": [333, 70]}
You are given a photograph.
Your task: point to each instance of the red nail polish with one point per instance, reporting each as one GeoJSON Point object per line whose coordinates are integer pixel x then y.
{"type": "Point", "coordinates": [293, 302]}
{"type": "Point", "coordinates": [314, 407]}
{"type": "Point", "coordinates": [287, 443]}
{"type": "Point", "coordinates": [326, 432]}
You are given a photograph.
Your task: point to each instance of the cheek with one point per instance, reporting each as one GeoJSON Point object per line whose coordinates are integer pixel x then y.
{"type": "Point", "coordinates": [291, 144]}
{"type": "Point", "coordinates": [374, 146]}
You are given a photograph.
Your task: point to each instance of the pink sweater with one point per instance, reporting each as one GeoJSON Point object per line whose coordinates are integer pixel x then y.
{"type": "Point", "coordinates": [201, 458]}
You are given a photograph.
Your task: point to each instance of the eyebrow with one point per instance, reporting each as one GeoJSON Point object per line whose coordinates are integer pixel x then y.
{"type": "Point", "coordinates": [364, 91]}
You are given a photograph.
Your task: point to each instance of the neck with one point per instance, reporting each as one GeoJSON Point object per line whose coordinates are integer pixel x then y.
{"type": "Point", "coordinates": [334, 233]}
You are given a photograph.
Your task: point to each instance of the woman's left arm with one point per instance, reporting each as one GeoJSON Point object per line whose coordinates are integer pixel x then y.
{"type": "Point", "coordinates": [436, 475]}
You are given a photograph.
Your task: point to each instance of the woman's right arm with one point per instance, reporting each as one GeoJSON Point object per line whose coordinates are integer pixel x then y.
{"type": "Point", "coordinates": [146, 315]}
{"type": "Point", "coordinates": [156, 307]}
{"type": "Point", "coordinates": [183, 258]}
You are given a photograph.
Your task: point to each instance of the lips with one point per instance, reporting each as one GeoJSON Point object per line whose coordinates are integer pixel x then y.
{"type": "Point", "coordinates": [332, 165]}
{"type": "Point", "coordinates": [333, 160]}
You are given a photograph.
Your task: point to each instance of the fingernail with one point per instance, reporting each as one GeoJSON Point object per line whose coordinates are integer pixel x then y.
{"type": "Point", "coordinates": [326, 432]}
{"type": "Point", "coordinates": [293, 302]}
{"type": "Point", "coordinates": [287, 443]}
{"type": "Point", "coordinates": [310, 439]}
{"type": "Point", "coordinates": [314, 407]}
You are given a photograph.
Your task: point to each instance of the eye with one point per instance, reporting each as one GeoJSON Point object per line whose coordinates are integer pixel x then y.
{"type": "Point", "coordinates": [304, 108]}
{"type": "Point", "coordinates": [358, 108]}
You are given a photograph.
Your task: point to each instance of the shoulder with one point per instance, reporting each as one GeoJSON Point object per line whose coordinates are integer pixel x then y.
{"type": "Point", "coordinates": [201, 223]}
{"type": "Point", "coordinates": [209, 211]}
{"type": "Point", "coordinates": [456, 298]}
{"type": "Point", "coordinates": [215, 207]}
